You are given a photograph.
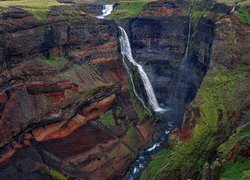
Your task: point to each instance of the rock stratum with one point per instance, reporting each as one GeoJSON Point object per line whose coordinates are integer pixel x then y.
{"type": "Point", "coordinates": [67, 108]}
{"type": "Point", "coordinates": [66, 103]}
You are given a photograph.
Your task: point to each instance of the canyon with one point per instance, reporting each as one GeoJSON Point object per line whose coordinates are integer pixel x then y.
{"type": "Point", "coordinates": [92, 93]}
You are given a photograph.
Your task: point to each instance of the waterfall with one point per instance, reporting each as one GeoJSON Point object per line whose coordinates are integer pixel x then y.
{"type": "Point", "coordinates": [126, 52]}
{"type": "Point", "coordinates": [189, 31]}
{"type": "Point", "coordinates": [107, 9]}
{"type": "Point", "coordinates": [133, 85]}
{"type": "Point", "coordinates": [233, 10]}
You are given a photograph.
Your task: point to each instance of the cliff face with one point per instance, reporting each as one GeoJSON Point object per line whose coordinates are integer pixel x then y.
{"type": "Point", "coordinates": [212, 142]}
{"type": "Point", "coordinates": [159, 42]}
{"type": "Point", "coordinates": [65, 102]}
{"type": "Point", "coordinates": [67, 106]}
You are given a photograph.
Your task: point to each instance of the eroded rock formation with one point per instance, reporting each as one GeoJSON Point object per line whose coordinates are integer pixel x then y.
{"type": "Point", "coordinates": [65, 103]}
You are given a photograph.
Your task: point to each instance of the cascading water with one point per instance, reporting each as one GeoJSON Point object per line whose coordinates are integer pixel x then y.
{"type": "Point", "coordinates": [132, 81]}
{"type": "Point", "coordinates": [144, 158]}
{"type": "Point", "coordinates": [189, 32]}
{"type": "Point", "coordinates": [233, 10]}
{"type": "Point", "coordinates": [126, 52]}
{"type": "Point", "coordinates": [107, 10]}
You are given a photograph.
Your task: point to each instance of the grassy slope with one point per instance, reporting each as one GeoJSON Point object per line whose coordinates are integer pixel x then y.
{"type": "Point", "coordinates": [39, 8]}
{"type": "Point", "coordinates": [155, 164]}
{"type": "Point", "coordinates": [129, 8]}
{"type": "Point", "coordinates": [242, 12]}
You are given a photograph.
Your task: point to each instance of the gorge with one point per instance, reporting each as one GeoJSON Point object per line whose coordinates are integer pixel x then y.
{"type": "Point", "coordinates": [124, 89]}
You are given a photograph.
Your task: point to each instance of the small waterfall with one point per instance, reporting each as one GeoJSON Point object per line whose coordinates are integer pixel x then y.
{"type": "Point", "coordinates": [126, 52]}
{"type": "Point", "coordinates": [107, 9]}
{"type": "Point", "coordinates": [189, 31]}
{"type": "Point", "coordinates": [233, 10]}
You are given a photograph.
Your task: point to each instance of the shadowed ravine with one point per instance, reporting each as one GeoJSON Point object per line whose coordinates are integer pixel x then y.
{"type": "Point", "coordinates": [145, 156]}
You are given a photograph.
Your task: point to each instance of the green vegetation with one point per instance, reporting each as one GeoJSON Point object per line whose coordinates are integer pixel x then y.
{"type": "Point", "coordinates": [107, 119]}
{"type": "Point", "coordinates": [239, 169]}
{"type": "Point", "coordinates": [217, 95]}
{"type": "Point", "coordinates": [128, 8]}
{"type": "Point", "coordinates": [245, 175]}
{"type": "Point", "coordinates": [39, 8]}
{"type": "Point", "coordinates": [131, 136]}
{"type": "Point", "coordinates": [115, 153]}
{"type": "Point", "coordinates": [54, 61]}
{"type": "Point", "coordinates": [242, 13]}
{"type": "Point", "coordinates": [234, 2]}
{"type": "Point", "coordinates": [220, 100]}
{"type": "Point", "coordinates": [126, 149]}
{"type": "Point", "coordinates": [243, 16]}
{"type": "Point", "coordinates": [57, 174]}
{"type": "Point", "coordinates": [140, 110]}
{"type": "Point", "coordinates": [241, 134]}
{"type": "Point", "coordinates": [155, 164]}
{"type": "Point", "coordinates": [92, 82]}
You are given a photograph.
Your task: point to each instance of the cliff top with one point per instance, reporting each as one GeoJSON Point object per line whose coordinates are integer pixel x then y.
{"type": "Point", "coordinates": [38, 8]}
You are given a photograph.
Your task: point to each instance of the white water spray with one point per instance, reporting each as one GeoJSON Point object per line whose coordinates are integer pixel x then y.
{"type": "Point", "coordinates": [134, 90]}
{"type": "Point", "coordinates": [233, 10]}
{"type": "Point", "coordinates": [126, 52]}
{"type": "Point", "coordinates": [107, 10]}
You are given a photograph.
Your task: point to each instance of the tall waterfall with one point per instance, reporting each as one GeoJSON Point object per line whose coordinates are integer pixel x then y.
{"type": "Point", "coordinates": [107, 9]}
{"type": "Point", "coordinates": [189, 31]}
{"type": "Point", "coordinates": [126, 52]}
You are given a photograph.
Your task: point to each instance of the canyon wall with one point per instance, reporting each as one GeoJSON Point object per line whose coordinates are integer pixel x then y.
{"type": "Point", "coordinates": [212, 142]}
{"type": "Point", "coordinates": [159, 40]}
{"type": "Point", "coordinates": [66, 102]}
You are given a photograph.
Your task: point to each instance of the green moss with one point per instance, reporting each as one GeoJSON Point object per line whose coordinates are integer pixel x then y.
{"type": "Point", "coordinates": [217, 95]}
{"type": "Point", "coordinates": [140, 110]}
{"type": "Point", "coordinates": [243, 16]}
{"type": "Point", "coordinates": [238, 169]}
{"type": "Point", "coordinates": [212, 100]}
{"type": "Point", "coordinates": [115, 153]}
{"type": "Point", "coordinates": [126, 149]}
{"type": "Point", "coordinates": [107, 119]}
{"type": "Point", "coordinates": [129, 8]}
{"type": "Point", "coordinates": [55, 61]}
{"type": "Point", "coordinates": [132, 137]}
{"type": "Point", "coordinates": [57, 174]}
{"type": "Point", "coordinates": [189, 157]}
{"type": "Point", "coordinates": [245, 175]}
{"type": "Point", "coordinates": [39, 8]}
{"type": "Point", "coordinates": [92, 82]}
{"type": "Point", "coordinates": [240, 134]}
{"type": "Point", "coordinates": [155, 164]}
{"type": "Point", "coordinates": [219, 90]}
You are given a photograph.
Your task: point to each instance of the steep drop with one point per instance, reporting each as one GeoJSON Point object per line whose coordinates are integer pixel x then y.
{"type": "Point", "coordinates": [126, 52]}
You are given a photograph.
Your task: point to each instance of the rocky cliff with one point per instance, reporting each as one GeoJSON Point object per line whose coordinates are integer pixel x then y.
{"type": "Point", "coordinates": [67, 109]}
{"type": "Point", "coordinates": [66, 104]}
{"type": "Point", "coordinates": [213, 140]}
{"type": "Point", "coordinates": [159, 38]}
